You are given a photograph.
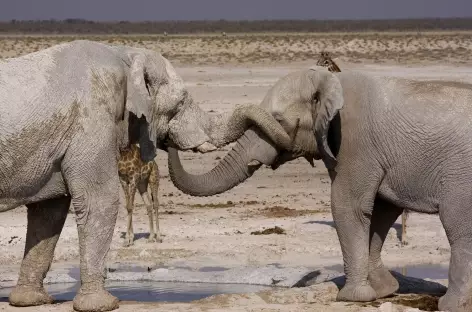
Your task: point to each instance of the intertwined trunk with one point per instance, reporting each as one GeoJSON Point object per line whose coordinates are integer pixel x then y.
{"type": "Point", "coordinates": [251, 150]}
{"type": "Point", "coordinates": [192, 126]}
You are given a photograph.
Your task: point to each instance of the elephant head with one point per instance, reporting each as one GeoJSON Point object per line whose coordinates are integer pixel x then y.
{"type": "Point", "coordinates": [304, 103]}
{"type": "Point", "coordinates": [161, 110]}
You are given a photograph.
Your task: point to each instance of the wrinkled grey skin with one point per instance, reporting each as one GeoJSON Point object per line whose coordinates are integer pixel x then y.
{"type": "Point", "coordinates": [395, 144]}
{"type": "Point", "coordinates": [65, 112]}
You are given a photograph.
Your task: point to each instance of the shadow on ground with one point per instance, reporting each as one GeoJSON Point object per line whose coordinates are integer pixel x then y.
{"type": "Point", "coordinates": [413, 292]}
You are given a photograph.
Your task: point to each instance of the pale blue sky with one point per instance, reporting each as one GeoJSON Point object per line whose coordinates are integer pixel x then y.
{"type": "Point", "coordinates": [136, 10]}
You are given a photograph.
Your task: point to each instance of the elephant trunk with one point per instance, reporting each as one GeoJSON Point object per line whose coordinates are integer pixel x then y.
{"type": "Point", "coordinates": [193, 127]}
{"type": "Point", "coordinates": [225, 129]}
{"type": "Point", "coordinates": [251, 150]}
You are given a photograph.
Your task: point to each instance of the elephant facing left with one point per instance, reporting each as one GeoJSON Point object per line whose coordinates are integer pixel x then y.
{"type": "Point", "coordinates": [65, 113]}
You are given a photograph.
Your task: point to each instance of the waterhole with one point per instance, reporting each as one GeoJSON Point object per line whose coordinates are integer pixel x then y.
{"type": "Point", "coordinates": [147, 291]}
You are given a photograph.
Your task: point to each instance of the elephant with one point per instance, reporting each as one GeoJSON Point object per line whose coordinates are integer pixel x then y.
{"type": "Point", "coordinates": [388, 144]}
{"type": "Point", "coordinates": [66, 112]}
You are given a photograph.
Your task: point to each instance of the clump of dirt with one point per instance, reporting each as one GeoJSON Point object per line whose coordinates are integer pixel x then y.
{"type": "Point", "coordinates": [282, 212]}
{"type": "Point", "coordinates": [249, 202]}
{"type": "Point", "coordinates": [274, 230]}
{"type": "Point", "coordinates": [228, 204]}
{"type": "Point", "coordinates": [172, 212]}
{"type": "Point", "coordinates": [419, 301]}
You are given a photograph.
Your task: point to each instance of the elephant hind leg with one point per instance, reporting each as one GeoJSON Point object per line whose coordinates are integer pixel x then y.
{"type": "Point", "coordinates": [384, 216]}
{"type": "Point", "coordinates": [45, 222]}
{"type": "Point", "coordinates": [456, 217]}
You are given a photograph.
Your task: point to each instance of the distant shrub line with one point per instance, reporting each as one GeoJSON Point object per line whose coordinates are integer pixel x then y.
{"type": "Point", "coordinates": [81, 26]}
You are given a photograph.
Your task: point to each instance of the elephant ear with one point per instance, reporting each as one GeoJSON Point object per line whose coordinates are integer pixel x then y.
{"type": "Point", "coordinates": [138, 132]}
{"type": "Point", "coordinates": [327, 101]}
{"type": "Point", "coordinates": [139, 105]}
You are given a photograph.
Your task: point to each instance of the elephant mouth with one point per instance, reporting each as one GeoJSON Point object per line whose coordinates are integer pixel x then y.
{"type": "Point", "coordinates": [205, 147]}
{"type": "Point", "coordinates": [285, 157]}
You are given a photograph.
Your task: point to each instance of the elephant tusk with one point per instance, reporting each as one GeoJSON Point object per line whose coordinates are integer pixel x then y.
{"type": "Point", "coordinates": [206, 147]}
{"type": "Point", "coordinates": [254, 163]}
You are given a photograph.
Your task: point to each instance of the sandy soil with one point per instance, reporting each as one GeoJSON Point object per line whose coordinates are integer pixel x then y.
{"type": "Point", "coordinates": [216, 231]}
{"type": "Point", "coordinates": [278, 48]}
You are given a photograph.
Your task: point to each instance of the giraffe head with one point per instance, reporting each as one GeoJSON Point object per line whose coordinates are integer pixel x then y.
{"type": "Point", "coordinates": [325, 60]}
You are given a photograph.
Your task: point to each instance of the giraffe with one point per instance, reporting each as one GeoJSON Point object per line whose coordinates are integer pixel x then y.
{"type": "Point", "coordinates": [325, 60]}
{"type": "Point", "coordinates": [137, 174]}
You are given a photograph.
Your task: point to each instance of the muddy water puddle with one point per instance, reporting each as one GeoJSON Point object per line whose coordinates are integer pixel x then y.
{"type": "Point", "coordinates": [154, 291]}
{"type": "Point", "coordinates": [432, 271]}
{"type": "Point", "coordinates": [148, 291]}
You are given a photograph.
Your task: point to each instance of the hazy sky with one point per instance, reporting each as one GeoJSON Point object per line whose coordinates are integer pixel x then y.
{"type": "Point", "coordinates": [134, 10]}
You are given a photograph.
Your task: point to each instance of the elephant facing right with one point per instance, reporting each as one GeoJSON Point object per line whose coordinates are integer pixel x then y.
{"type": "Point", "coordinates": [389, 144]}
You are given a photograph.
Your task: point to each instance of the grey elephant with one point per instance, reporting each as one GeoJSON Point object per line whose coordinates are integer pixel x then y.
{"type": "Point", "coordinates": [388, 144]}
{"type": "Point", "coordinates": [65, 113]}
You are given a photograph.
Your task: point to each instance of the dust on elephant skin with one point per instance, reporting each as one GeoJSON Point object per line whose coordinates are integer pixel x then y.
{"type": "Point", "coordinates": [65, 113]}
{"type": "Point", "coordinates": [389, 144]}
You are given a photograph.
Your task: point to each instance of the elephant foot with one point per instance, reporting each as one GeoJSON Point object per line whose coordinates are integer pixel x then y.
{"type": "Point", "coordinates": [448, 303]}
{"type": "Point", "coordinates": [383, 282]}
{"type": "Point", "coordinates": [357, 292]}
{"type": "Point", "coordinates": [97, 301]}
{"type": "Point", "coordinates": [454, 303]}
{"type": "Point", "coordinates": [25, 296]}
{"type": "Point", "coordinates": [155, 239]}
{"type": "Point", "coordinates": [129, 241]}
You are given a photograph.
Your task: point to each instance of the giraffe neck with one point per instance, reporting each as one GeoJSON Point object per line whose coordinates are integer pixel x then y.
{"type": "Point", "coordinates": [333, 67]}
{"type": "Point", "coordinates": [326, 61]}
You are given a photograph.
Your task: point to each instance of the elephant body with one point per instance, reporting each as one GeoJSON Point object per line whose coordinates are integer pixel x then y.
{"type": "Point", "coordinates": [65, 114]}
{"type": "Point", "coordinates": [389, 144]}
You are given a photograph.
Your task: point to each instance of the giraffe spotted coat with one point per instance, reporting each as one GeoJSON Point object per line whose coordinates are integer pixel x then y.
{"type": "Point", "coordinates": [136, 174]}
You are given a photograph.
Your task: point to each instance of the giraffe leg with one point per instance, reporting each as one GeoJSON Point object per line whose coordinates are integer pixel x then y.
{"type": "Point", "coordinates": [404, 217]}
{"type": "Point", "coordinates": [148, 201]}
{"type": "Point", "coordinates": [154, 184]}
{"type": "Point", "coordinates": [129, 238]}
{"type": "Point", "coordinates": [142, 188]}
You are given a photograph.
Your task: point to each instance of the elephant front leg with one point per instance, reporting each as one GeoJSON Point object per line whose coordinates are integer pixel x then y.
{"type": "Point", "coordinates": [94, 187]}
{"type": "Point", "coordinates": [45, 222]}
{"type": "Point", "coordinates": [384, 216]}
{"type": "Point", "coordinates": [96, 218]}
{"type": "Point", "coordinates": [352, 205]}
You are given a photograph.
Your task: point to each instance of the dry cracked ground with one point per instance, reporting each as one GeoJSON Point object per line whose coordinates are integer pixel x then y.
{"type": "Point", "coordinates": [216, 231]}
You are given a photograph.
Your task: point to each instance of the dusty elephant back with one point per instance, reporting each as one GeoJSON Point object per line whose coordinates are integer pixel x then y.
{"type": "Point", "coordinates": [418, 100]}
{"type": "Point", "coordinates": [47, 100]}
{"type": "Point", "coordinates": [405, 126]}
